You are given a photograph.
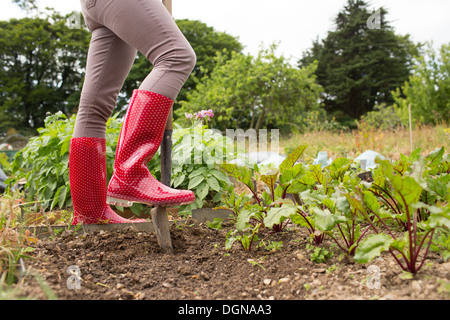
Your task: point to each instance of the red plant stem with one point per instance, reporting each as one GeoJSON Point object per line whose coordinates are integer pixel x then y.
{"type": "Point", "coordinates": [256, 197]}
{"type": "Point", "coordinates": [384, 224]}
{"type": "Point", "coordinates": [352, 235]}
{"type": "Point", "coordinates": [396, 210]}
{"type": "Point", "coordinates": [410, 236]}
{"type": "Point", "coordinates": [319, 239]}
{"type": "Point", "coordinates": [428, 247]}
{"type": "Point", "coordinates": [343, 235]}
{"type": "Point", "coordinates": [362, 235]}
{"type": "Point", "coordinates": [398, 261]}
{"type": "Point", "coordinates": [312, 228]}
{"type": "Point", "coordinates": [390, 196]}
{"type": "Point", "coordinates": [370, 222]}
{"type": "Point", "coordinates": [415, 234]}
{"type": "Point", "coordinates": [283, 196]}
{"type": "Point", "coordinates": [408, 263]}
{"type": "Point", "coordinates": [339, 245]}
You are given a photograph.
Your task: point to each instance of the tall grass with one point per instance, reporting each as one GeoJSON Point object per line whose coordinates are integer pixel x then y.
{"type": "Point", "coordinates": [350, 144]}
{"type": "Point", "coordinates": [14, 245]}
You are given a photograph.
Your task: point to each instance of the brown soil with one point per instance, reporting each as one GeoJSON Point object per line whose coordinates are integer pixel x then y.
{"type": "Point", "coordinates": [128, 265]}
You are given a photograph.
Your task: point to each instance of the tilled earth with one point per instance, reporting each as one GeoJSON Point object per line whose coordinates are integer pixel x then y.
{"type": "Point", "coordinates": [129, 265]}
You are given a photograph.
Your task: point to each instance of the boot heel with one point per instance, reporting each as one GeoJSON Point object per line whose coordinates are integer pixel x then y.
{"type": "Point", "coordinates": [118, 202]}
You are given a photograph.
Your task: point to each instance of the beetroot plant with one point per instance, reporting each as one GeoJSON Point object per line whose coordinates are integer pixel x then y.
{"type": "Point", "coordinates": [267, 211]}
{"type": "Point", "coordinates": [406, 189]}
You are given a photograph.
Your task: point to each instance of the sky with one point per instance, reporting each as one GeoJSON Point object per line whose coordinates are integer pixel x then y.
{"type": "Point", "coordinates": [293, 24]}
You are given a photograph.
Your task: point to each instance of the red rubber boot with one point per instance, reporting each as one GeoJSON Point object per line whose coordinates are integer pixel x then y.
{"type": "Point", "coordinates": [87, 172]}
{"type": "Point", "coordinates": [140, 137]}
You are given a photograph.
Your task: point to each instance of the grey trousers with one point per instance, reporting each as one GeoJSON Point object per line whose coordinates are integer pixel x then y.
{"type": "Point", "coordinates": [119, 29]}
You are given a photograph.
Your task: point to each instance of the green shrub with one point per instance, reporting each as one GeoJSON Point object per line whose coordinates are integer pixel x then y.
{"type": "Point", "coordinates": [44, 162]}
{"type": "Point", "coordinates": [196, 153]}
{"type": "Point", "coordinates": [383, 117]}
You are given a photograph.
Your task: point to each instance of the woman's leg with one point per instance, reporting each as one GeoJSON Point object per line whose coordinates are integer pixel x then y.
{"type": "Point", "coordinates": [119, 28]}
{"type": "Point", "coordinates": [109, 61]}
{"type": "Point", "coordinates": [147, 26]}
{"type": "Point", "coordinates": [108, 64]}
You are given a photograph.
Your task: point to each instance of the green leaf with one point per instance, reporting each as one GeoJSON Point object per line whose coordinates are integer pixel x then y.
{"type": "Point", "coordinates": [371, 201]}
{"type": "Point", "coordinates": [137, 208]}
{"type": "Point", "coordinates": [219, 175]}
{"type": "Point", "coordinates": [195, 182]}
{"type": "Point", "coordinates": [231, 238]}
{"type": "Point", "coordinates": [197, 172]}
{"type": "Point", "coordinates": [241, 173]}
{"type": "Point", "coordinates": [292, 158]}
{"type": "Point", "coordinates": [178, 180]}
{"type": "Point", "coordinates": [278, 215]}
{"type": "Point", "coordinates": [270, 180]}
{"type": "Point", "coordinates": [407, 190]}
{"type": "Point", "coordinates": [267, 198]}
{"type": "Point", "coordinates": [202, 190]}
{"type": "Point", "coordinates": [435, 157]}
{"type": "Point", "coordinates": [324, 220]}
{"type": "Point", "coordinates": [62, 196]}
{"type": "Point", "coordinates": [317, 174]}
{"type": "Point", "coordinates": [400, 242]}
{"type": "Point", "coordinates": [213, 183]}
{"type": "Point", "coordinates": [440, 186]}
{"type": "Point", "coordinates": [59, 197]}
{"type": "Point", "coordinates": [243, 219]}
{"type": "Point", "coordinates": [439, 217]}
{"type": "Point", "coordinates": [311, 197]}
{"type": "Point", "coordinates": [372, 247]}
{"type": "Point", "coordinates": [292, 174]}
{"type": "Point", "coordinates": [342, 205]}
{"type": "Point", "coordinates": [339, 167]}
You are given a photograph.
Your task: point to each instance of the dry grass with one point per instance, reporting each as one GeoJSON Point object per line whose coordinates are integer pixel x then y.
{"type": "Point", "coordinates": [388, 143]}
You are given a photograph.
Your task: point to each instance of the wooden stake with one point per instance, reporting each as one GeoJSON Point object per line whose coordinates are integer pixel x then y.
{"type": "Point", "coordinates": [410, 128]}
{"type": "Point", "coordinates": [168, 5]}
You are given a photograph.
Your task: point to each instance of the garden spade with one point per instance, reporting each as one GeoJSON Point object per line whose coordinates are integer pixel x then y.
{"type": "Point", "coordinates": [159, 214]}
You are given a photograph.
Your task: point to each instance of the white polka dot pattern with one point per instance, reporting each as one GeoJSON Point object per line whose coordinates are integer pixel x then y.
{"type": "Point", "coordinates": [140, 138]}
{"type": "Point", "coordinates": [87, 173]}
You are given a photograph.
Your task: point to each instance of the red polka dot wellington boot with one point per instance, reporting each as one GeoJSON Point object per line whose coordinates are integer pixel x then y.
{"type": "Point", "coordinates": [87, 173]}
{"type": "Point", "coordinates": [140, 137]}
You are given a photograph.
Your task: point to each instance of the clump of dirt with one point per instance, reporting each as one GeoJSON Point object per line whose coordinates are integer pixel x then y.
{"type": "Point", "coordinates": [128, 264]}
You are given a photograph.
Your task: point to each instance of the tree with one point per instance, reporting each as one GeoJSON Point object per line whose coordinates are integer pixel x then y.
{"type": "Point", "coordinates": [27, 5]}
{"type": "Point", "coordinates": [358, 67]}
{"type": "Point", "coordinates": [205, 41]}
{"type": "Point", "coordinates": [427, 90]}
{"type": "Point", "coordinates": [41, 69]}
{"type": "Point", "coordinates": [255, 92]}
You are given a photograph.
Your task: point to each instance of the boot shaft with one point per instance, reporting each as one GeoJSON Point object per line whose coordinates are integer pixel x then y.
{"type": "Point", "coordinates": [87, 173]}
{"type": "Point", "coordinates": [140, 137]}
{"type": "Point", "coordinates": [142, 130]}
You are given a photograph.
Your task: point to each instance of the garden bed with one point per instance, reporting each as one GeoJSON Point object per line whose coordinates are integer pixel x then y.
{"type": "Point", "coordinates": [128, 264]}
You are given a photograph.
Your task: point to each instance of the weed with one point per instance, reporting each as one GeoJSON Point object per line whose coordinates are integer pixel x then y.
{"type": "Point", "coordinates": [319, 254]}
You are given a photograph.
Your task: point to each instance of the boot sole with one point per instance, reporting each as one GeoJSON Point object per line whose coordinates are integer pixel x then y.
{"type": "Point", "coordinates": [127, 203]}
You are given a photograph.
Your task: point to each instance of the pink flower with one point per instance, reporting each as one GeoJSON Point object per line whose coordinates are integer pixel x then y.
{"type": "Point", "coordinates": [201, 114]}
